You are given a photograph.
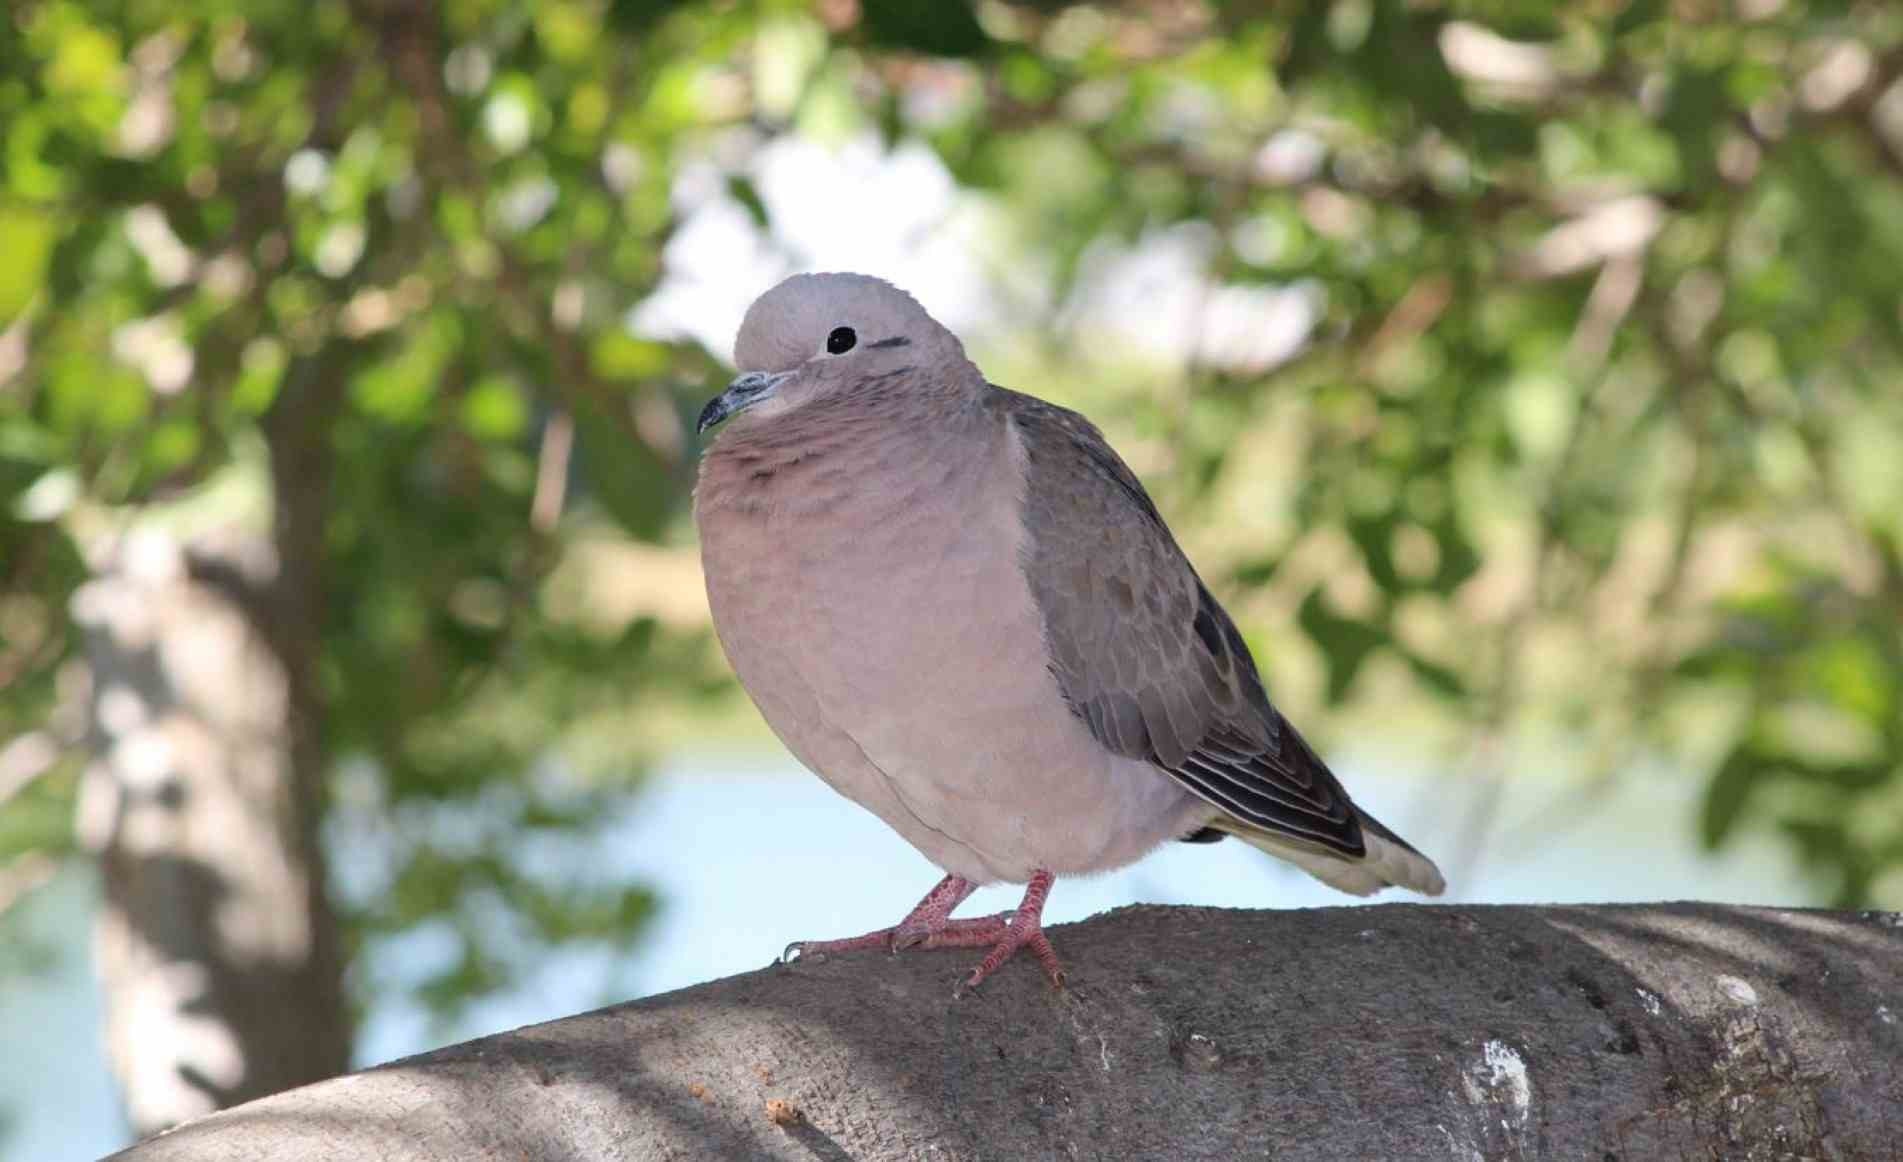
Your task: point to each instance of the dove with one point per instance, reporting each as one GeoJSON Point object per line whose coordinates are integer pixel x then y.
{"type": "Point", "coordinates": [957, 605]}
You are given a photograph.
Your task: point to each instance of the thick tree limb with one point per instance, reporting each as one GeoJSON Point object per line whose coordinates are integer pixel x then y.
{"type": "Point", "coordinates": [1393, 1032]}
{"type": "Point", "coordinates": [214, 943]}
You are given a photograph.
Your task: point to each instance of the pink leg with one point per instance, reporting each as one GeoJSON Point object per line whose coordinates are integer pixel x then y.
{"type": "Point", "coordinates": [1024, 930]}
{"type": "Point", "coordinates": [931, 916]}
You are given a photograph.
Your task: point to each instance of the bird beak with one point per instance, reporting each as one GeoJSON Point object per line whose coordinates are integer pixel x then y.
{"type": "Point", "coordinates": [740, 395]}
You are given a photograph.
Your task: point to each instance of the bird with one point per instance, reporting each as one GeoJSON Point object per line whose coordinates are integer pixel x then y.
{"type": "Point", "coordinates": [958, 606]}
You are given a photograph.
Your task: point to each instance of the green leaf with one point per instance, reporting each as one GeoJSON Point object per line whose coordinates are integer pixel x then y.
{"type": "Point", "coordinates": [495, 409]}
{"type": "Point", "coordinates": [1375, 537]}
{"type": "Point", "coordinates": [26, 239]}
{"type": "Point", "coordinates": [620, 356]}
{"type": "Point", "coordinates": [1344, 642]}
{"type": "Point", "coordinates": [1851, 672]}
{"type": "Point", "coordinates": [624, 475]}
{"type": "Point", "coordinates": [261, 369]}
{"type": "Point", "coordinates": [400, 389]}
{"type": "Point", "coordinates": [1728, 794]}
{"type": "Point", "coordinates": [1438, 678]}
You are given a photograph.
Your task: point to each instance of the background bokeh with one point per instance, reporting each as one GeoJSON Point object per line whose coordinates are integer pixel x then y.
{"type": "Point", "coordinates": [1527, 379]}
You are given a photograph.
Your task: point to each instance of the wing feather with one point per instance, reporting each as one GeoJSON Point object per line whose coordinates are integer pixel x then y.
{"type": "Point", "coordinates": [1144, 655]}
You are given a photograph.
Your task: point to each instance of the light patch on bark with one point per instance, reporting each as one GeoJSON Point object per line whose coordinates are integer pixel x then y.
{"type": "Point", "coordinates": [1460, 1150]}
{"type": "Point", "coordinates": [1500, 1089]}
{"type": "Point", "coordinates": [1501, 1079]}
{"type": "Point", "coordinates": [1738, 991]}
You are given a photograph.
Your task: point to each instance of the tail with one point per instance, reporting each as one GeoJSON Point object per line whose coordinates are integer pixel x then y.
{"type": "Point", "coordinates": [1390, 861]}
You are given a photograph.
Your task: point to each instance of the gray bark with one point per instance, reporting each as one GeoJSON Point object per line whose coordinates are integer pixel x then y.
{"type": "Point", "coordinates": [215, 947]}
{"type": "Point", "coordinates": [1391, 1032]}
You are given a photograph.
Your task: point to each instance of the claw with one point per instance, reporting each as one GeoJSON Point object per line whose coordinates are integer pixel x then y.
{"type": "Point", "coordinates": [796, 951]}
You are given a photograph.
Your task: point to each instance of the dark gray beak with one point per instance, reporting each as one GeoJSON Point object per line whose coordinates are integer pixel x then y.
{"type": "Point", "coordinates": [740, 395]}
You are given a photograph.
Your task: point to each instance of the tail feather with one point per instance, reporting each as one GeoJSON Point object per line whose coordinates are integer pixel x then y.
{"type": "Point", "coordinates": [1390, 861]}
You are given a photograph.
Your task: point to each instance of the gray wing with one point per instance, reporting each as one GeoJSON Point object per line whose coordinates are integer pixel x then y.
{"type": "Point", "coordinates": [1144, 655]}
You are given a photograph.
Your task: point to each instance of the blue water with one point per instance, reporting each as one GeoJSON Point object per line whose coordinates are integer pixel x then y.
{"type": "Point", "coordinates": [749, 854]}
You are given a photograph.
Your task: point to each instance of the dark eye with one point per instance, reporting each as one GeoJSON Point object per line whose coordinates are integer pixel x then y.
{"type": "Point", "coordinates": [840, 341]}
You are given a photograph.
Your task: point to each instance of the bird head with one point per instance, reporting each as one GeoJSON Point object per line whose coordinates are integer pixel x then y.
{"type": "Point", "coordinates": [815, 336]}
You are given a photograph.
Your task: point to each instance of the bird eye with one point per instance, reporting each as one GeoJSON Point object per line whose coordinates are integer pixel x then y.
{"type": "Point", "coordinates": [840, 341]}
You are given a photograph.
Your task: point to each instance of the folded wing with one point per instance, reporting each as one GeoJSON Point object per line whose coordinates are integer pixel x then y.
{"type": "Point", "coordinates": [1145, 655]}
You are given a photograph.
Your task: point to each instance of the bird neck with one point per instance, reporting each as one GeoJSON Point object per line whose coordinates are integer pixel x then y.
{"type": "Point", "coordinates": [823, 453]}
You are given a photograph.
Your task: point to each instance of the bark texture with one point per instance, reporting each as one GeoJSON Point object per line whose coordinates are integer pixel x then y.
{"type": "Point", "coordinates": [216, 950]}
{"type": "Point", "coordinates": [1393, 1032]}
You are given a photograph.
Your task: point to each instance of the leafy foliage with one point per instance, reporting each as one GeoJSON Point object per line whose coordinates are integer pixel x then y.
{"type": "Point", "coordinates": [382, 237]}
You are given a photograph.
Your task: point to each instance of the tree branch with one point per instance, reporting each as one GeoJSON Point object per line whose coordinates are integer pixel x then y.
{"type": "Point", "coordinates": [1399, 1031]}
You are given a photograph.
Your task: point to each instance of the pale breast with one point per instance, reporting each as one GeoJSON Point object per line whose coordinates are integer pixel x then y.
{"type": "Point", "coordinates": [870, 598]}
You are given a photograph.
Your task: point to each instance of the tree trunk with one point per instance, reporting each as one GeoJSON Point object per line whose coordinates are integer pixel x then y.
{"type": "Point", "coordinates": [216, 950]}
{"type": "Point", "coordinates": [1391, 1032]}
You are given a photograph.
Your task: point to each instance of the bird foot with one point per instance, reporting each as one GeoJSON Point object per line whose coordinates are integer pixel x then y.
{"type": "Point", "coordinates": [1020, 933]}
{"type": "Point", "coordinates": [929, 917]}
{"type": "Point", "coordinates": [973, 933]}
{"type": "Point", "coordinates": [1025, 929]}
{"type": "Point", "coordinates": [930, 926]}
